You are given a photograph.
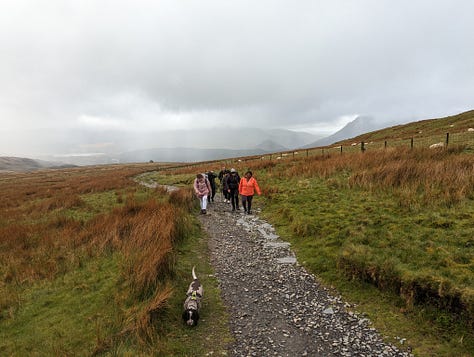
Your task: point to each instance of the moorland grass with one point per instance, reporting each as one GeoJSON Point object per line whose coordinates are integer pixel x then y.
{"type": "Point", "coordinates": [391, 229]}
{"type": "Point", "coordinates": [72, 314]}
{"type": "Point", "coordinates": [99, 275]}
{"type": "Point", "coordinates": [405, 228]}
{"type": "Point", "coordinates": [367, 223]}
{"type": "Point", "coordinates": [212, 335]}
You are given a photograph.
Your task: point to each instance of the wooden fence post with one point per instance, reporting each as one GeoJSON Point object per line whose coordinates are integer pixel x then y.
{"type": "Point", "coordinates": [411, 143]}
{"type": "Point", "coordinates": [362, 146]}
{"type": "Point", "coordinates": [385, 144]}
{"type": "Point", "coordinates": [447, 139]}
{"type": "Point", "coordinates": [341, 149]}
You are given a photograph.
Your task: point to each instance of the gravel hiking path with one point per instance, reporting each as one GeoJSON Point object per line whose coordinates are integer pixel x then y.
{"type": "Point", "coordinates": [276, 307]}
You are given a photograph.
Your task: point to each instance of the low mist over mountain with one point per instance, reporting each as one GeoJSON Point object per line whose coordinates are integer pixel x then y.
{"type": "Point", "coordinates": [184, 154]}
{"type": "Point", "coordinates": [104, 147]}
{"type": "Point", "coordinates": [25, 164]}
{"type": "Point", "coordinates": [58, 140]}
{"type": "Point", "coordinates": [360, 125]}
{"type": "Point", "coordinates": [271, 146]}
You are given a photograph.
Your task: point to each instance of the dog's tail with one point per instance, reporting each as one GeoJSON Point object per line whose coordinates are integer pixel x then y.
{"type": "Point", "coordinates": [194, 274]}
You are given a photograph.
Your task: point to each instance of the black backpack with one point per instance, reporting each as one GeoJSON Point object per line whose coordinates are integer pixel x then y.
{"type": "Point", "coordinates": [233, 181]}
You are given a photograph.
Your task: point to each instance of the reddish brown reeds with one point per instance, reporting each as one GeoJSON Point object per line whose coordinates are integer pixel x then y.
{"type": "Point", "coordinates": [38, 241]}
{"type": "Point", "coordinates": [148, 250]}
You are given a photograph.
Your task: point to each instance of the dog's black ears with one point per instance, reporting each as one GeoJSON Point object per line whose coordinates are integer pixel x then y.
{"type": "Point", "coordinates": [185, 315]}
{"type": "Point", "coordinates": [194, 316]}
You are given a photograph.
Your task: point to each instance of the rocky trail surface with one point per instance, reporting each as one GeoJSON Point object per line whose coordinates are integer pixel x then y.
{"type": "Point", "coordinates": [276, 307]}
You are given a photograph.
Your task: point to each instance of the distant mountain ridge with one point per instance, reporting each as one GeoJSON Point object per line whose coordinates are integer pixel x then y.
{"type": "Point", "coordinates": [179, 145]}
{"type": "Point", "coordinates": [463, 122]}
{"type": "Point", "coordinates": [15, 164]}
{"type": "Point", "coordinates": [183, 154]}
{"type": "Point", "coordinates": [271, 146]}
{"type": "Point", "coordinates": [365, 128]}
{"type": "Point", "coordinates": [360, 125]}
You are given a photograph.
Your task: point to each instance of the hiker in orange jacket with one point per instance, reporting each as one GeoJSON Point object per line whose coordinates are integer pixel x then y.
{"type": "Point", "coordinates": [247, 187]}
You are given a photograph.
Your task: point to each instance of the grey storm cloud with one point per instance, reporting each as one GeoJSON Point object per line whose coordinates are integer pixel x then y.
{"type": "Point", "coordinates": [282, 64]}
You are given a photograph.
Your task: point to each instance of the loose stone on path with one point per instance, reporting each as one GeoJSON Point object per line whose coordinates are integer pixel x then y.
{"type": "Point", "coordinates": [276, 307]}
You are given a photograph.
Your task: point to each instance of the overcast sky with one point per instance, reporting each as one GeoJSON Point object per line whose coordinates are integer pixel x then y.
{"type": "Point", "coordinates": [300, 65]}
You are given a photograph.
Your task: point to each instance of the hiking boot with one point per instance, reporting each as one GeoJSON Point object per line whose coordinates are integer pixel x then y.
{"type": "Point", "coordinates": [204, 211]}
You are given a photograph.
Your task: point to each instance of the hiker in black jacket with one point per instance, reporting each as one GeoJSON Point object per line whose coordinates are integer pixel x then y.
{"type": "Point", "coordinates": [222, 178]}
{"type": "Point", "coordinates": [232, 184]}
{"type": "Point", "coordinates": [211, 176]}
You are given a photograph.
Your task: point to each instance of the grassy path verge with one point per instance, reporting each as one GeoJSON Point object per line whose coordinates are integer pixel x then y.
{"type": "Point", "coordinates": [212, 335]}
{"type": "Point", "coordinates": [327, 223]}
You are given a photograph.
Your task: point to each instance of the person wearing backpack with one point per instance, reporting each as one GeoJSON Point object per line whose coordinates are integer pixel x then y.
{"type": "Point", "coordinates": [247, 187]}
{"type": "Point", "coordinates": [232, 184]}
{"type": "Point", "coordinates": [223, 178]}
{"type": "Point", "coordinates": [211, 176]}
{"type": "Point", "coordinates": [202, 189]}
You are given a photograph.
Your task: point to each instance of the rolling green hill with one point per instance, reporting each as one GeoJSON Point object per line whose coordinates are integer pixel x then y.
{"type": "Point", "coordinates": [456, 124]}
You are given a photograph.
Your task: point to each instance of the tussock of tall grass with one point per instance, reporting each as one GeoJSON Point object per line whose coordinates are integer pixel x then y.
{"type": "Point", "coordinates": [146, 235]}
{"type": "Point", "coordinates": [434, 176]}
{"type": "Point", "coordinates": [182, 198]}
{"type": "Point", "coordinates": [143, 318]}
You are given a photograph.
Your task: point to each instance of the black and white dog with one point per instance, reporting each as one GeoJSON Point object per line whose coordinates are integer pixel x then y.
{"type": "Point", "coordinates": [192, 304]}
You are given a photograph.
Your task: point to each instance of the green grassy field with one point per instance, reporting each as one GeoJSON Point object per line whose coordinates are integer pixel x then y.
{"type": "Point", "coordinates": [351, 238]}
{"type": "Point", "coordinates": [94, 264]}
{"type": "Point", "coordinates": [391, 230]}
{"type": "Point", "coordinates": [408, 238]}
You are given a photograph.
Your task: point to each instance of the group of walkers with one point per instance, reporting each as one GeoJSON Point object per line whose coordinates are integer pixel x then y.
{"type": "Point", "coordinates": [232, 186]}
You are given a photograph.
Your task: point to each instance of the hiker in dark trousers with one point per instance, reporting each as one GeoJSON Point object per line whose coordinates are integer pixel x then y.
{"type": "Point", "coordinates": [222, 178]}
{"type": "Point", "coordinates": [247, 187]}
{"type": "Point", "coordinates": [211, 176]}
{"type": "Point", "coordinates": [233, 180]}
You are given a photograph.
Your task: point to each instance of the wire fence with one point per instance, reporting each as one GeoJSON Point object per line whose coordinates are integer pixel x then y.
{"type": "Point", "coordinates": [465, 138]}
{"type": "Point", "coordinates": [434, 141]}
